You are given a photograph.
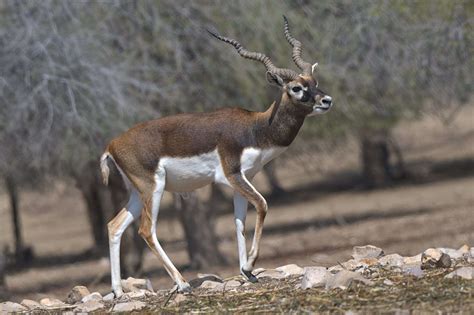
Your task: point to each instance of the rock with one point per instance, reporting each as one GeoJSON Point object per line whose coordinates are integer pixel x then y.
{"type": "Point", "coordinates": [129, 306]}
{"type": "Point", "coordinates": [271, 273]}
{"type": "Point", "coordinates": [109, 297]}
{"type": "Point", "coordinates": [392, 260]}
{"type": "Point", "coordinates": [31, 305]}
{"type": "Point", "coordinates": [180, 298]}
{"type": "Point", "coordinates": [368, 251]}
{"type": "Point", "coordinates": [77, 294]}
{"type": "Point", "coordinates": [132, 284]}
{"type": "Point", "coordinates": [412, 260]}
{"type": "Point", "coordinates": [96, 296]}
{"type": "Point", "coordinates": [212, 285]}
{"type": "Point", "coordinates": [463, 272]}
{"type": "Point", "coordinates": [388, 282]}
{"type": "Point", "coordinates": [89, 306]}
{"type": "Point", "coordinates": [314, 277]}
{"type": "Point", "coordinates": [413, 270]}
{"type": "Point", "coordinates": [53, 303]}
{"type": "Point", "coordinates": [435, 258]}
{"type": "Point", "coordinates": [335, 268]}
{"type": "Point", "coordinates": [351, 264]}
{"type": "Point", "coordinates": [10, 307]}
{"type": "Point", "coordinates": [232, 284]}
{"type": "Point", "coordinates": [196, 283]}
{"type": "Point", "coordinates": [464, 249]}
{"type": "Point", "coordinates": [136, 294]}
{"type": "Point", "coordinates": [210, 276]}
{"type": "Point", "coordinates": [343, 279]}
{"type": "Point", "coordinates": [453, 253]}
{"type": "Point", "coordinates": [291, 270]}
{"type": "Point", "coordinates": [258, 271]}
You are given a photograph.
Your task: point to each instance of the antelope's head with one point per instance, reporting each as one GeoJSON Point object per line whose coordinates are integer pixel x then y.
{"type": "Point", "coordinates": [301, 88]}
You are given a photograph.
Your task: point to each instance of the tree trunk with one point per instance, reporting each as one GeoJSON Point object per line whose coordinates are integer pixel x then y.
{"type": "Point", "coordinates": [270, 173]}
{"type": "Point", "coordinates": [103, 203]}
{"type": "Point", "coordinates": [199, 228]}
{"type": "Point", "coordinates": [88, 183]}
{"type": "Point", "coordinates": [16, 220]}
{"type": "Point", "coordinates": [375, 158]}
{"type": "Point", "coordinates": [3, 285]}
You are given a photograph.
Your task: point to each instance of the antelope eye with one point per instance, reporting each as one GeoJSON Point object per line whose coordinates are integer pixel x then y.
{"type": "Point", "coordinates": [296, 89]}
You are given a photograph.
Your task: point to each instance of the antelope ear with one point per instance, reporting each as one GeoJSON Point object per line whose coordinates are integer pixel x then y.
{"type": "Point", "coordinates": [274, 79]}
{"type": "Point", "coordinates": [313, 67]}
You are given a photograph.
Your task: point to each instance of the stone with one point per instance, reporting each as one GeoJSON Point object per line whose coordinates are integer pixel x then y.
{"type": "Point", "coordinates": [412, 260]}
{"type": "Point", "coordinates": [210, 276]}
{"type": "Point", "coordinates": [367, 251]}
{"type": "Point", "coordinates": [89, 306]}
{"type": "Point", "coordinates": [31, 305]}
{"type": "Point", "coordinates": [453, 253]}
{"type": "Point", "coordinates": [258, 271]}
{"type": "Point", "coordinates": [413, 270]}
{"type": "Point", "coordinates": [212, 285]}
{"type": "Point", "coordinates": [10, 307]}
{"type": "Point", "coordinates": [136, 294]}
{"type": "Point", "coordinates": [232, 284]}
{"type": "Point", "coordinates": [291, 270]}
{"type": "Point", "coordinates": [464, 249]}
{"type": "Point", "coordinates": [392, 260]}
{"type": "Point", "coordinates": [196, 283]}
{"type": "Point", "coordinates": [351, 264]}
{"type": "Point", "coordinates": [343, 279]}
{"type": "Point", "coordinates": [180, 298]}
{"type": "Point", "coordinates": [271, 273]}
{"type": "Point", "coordinates": [388, 282]}
{"type": "Point", "coordinates": [52, 303]}
{"type": "Point", "coordinates": [129, 306]}
{"type": "Point", "coordinates": [335, 268]}
{"type": "Point", "coordinates": [109, 297]}
{"type": "Point", "coordinates": [77, 294]}
{"type": "Point", "coordinates": [95, 296]}
{"type": "Point", "coordinates": [463, 272]}
{"type": "Point", "coordinates": [435, 258]}
{"type": "Point", "coordinates": [133, 284]}
{"type": "Point", "coordinates": [314, 277]}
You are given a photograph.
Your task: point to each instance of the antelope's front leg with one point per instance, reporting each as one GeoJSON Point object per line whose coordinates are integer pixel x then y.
{"type": "Point", "coordinates": [246, 189]}
{"type": "Point", "coordinates": [240, 214]}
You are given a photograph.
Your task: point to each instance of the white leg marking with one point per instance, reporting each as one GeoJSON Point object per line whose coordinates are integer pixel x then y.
{"type": "Point", "coordinates": [240, 213]}
{"type": "Point", "coordinates": [254, 250]}
{"type": "Point", "coordinates": [133, 209]}
{"type": "Point", "coordinates": [160, 180]}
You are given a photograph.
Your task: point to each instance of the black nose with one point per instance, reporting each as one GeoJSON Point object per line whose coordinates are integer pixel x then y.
{"type": "Point", "coordinates": [327, 100]}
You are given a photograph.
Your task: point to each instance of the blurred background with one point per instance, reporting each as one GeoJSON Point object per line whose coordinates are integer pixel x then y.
{"type": "Point", "coordinates": [391, 165]}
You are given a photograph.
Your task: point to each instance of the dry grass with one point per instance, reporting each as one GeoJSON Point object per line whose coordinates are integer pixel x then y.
{"type": "Point", "coordinates": [429, 294]}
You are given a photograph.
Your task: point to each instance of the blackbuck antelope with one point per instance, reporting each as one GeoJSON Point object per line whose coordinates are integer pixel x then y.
{"type": "Point", "coordinates": [229, 146]}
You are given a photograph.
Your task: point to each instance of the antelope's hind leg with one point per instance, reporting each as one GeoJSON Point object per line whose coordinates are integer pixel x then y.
{"type": "Point", "coordinates": [148, 228]}
{"type": "Point", "coordinates": [116, 227]}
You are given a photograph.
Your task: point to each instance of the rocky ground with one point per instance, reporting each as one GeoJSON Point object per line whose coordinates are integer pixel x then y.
{"type": "Point", "coordinates": [439, 279]}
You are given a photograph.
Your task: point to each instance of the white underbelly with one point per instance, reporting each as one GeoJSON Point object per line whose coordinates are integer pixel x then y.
{"type": "Point", "coordinates": [190, 173]}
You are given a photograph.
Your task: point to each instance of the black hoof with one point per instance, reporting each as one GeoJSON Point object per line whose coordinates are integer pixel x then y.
{"type": "Point", "coordinates": [250, 277]}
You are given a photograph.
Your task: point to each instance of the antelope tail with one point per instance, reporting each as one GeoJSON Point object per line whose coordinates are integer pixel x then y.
{"type": "Point", "coordinates": [104, 168]}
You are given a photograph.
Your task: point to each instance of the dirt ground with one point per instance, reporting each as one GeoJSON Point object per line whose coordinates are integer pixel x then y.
{"type": "Point", "coordinates": [317, 223]}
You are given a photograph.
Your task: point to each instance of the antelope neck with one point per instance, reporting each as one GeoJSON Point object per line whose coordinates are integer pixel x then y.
{"type": "Point", "coordinates": [279, 125]}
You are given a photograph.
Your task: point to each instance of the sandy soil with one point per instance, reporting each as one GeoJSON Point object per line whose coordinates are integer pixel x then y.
{"type": "Point", "coordinates": [311, 226]}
